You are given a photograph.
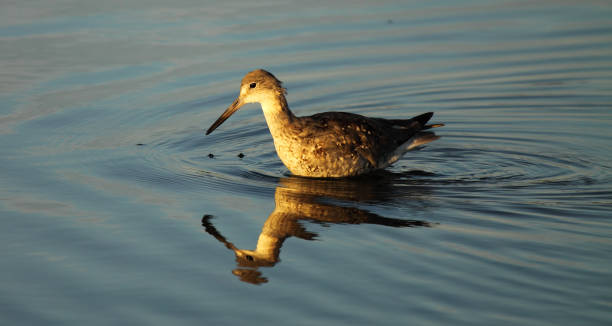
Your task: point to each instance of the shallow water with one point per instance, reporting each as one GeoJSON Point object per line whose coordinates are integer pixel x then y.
{"type": "Point", "coordinates": [114, 213]}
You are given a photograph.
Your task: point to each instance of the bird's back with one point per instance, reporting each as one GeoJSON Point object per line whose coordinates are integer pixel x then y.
{"type": "Point", "coordinates": [334, 144]}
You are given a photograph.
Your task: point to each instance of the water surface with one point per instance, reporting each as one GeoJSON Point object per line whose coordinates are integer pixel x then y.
{"type": "Point", "coordinates": [113, 212]}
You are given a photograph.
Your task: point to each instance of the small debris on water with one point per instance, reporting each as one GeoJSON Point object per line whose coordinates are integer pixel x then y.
{"type": "Point", "coordinates": [240, 155]}
{"type": "Point", "coordinates": [211, 155]}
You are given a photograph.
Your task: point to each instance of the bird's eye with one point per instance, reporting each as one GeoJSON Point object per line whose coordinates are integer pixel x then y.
{"type": "Point", "coordinates": [253, 85]}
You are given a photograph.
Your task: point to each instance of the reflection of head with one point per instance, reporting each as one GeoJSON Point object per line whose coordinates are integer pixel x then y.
{"type": "Point", "coordinates": [252, 276]}
{"type": "Point", "coordinates": [301, 199]}
{"type": "Point", "coordinates": [265, 254]}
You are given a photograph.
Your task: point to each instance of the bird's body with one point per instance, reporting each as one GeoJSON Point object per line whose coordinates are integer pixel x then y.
{"type": "Point", "coordinates": [330, 144]}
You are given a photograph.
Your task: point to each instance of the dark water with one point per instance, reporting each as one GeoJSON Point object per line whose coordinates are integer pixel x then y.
{"type": "Point", "coordinates": [106, 175]}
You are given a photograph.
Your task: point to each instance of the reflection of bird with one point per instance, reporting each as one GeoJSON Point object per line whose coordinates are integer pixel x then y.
{"type": "Point", "coordinates": [300, 199]}
{"type": "Point", "coordinates": [330, 144]}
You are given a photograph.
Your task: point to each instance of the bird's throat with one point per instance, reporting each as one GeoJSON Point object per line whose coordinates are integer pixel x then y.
{"type": "Point", "coordinates": [278, 116]}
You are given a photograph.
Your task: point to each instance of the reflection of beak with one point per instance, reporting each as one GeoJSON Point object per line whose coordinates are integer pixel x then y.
{"type": "Point", "coordinates": [230, 110]}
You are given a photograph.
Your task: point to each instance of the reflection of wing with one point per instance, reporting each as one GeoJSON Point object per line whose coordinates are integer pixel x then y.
{"type": "Point", "coordinates": [252, 276]}
{"type": "Point", "coordinates": [295, 205]}
{"type": "Point", "coordinates": [382, 187]}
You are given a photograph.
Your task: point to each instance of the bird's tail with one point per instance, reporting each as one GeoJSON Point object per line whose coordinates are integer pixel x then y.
{"type": "Point", "coordinates": [424, 118]}
{"type": "Point", "coordinates": [417, 123]}
{"type": "Point", "coordinates": [436, 125]}
{"type": "Point", "coordinates": [421, 139]}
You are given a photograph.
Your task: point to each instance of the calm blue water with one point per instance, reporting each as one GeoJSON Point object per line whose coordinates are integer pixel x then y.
{"type": "Point", "coordinates": [112, 211]}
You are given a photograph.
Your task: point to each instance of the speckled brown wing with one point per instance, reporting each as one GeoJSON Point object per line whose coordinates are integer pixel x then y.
{"type": "Point", "coordinates": [371, 138]}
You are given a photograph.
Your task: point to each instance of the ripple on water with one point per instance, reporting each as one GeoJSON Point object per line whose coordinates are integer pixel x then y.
{"type": "Point", "coordinates": [190, 161]}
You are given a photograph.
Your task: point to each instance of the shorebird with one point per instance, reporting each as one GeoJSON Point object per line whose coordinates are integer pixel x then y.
{"type": "Point", "coordinates": [329, 144]}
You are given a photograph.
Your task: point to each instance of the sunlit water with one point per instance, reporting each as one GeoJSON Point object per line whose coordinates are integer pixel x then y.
{"type": "Point", "coordinates": [113, 212]}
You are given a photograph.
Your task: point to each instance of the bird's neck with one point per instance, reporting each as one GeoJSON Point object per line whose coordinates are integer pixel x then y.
{"type": "Point", "coordinates": [278, 116]}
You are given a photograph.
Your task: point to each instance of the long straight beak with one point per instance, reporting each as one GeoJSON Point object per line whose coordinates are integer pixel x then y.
{"type": "Point", "coordinates": [230, 110]}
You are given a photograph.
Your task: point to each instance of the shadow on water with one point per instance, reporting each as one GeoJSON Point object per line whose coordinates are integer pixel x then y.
{"type": "Point", "coordinates": [324, 201]}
